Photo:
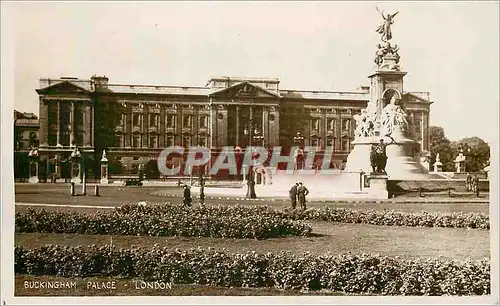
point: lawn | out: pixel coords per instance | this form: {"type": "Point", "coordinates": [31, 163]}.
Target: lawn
{"type": "Point", "coordinates": [117, 196]}
{"type": "Point", "coordinates": [405, 242]}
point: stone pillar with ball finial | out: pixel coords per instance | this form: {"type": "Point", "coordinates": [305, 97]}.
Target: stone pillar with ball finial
{"type": "Point", "coordinates": [460, 162]}
{"type": "Point", "coordinates": [34, 166]}
{"type": "Point", "coordinates": [438, 165]}
{"type": "Point", "coordinates": [76, 166]}
{"type": "Point", "coordinates": [104, 168]}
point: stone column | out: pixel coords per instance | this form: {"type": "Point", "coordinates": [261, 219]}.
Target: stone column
{"type": "Point", "coordinates": [237, 125]}
{"type": "Point", "coordinates": [145, 126]}
{"type": "Point", "coordinates": [87, 140]}
{"type": "Point", "coordinates": [128, 128]}
{"type": "Point", "coordinates": [425, 130]}
{"type": "Point", "coordinates": [338, 129]}
{"type": "Point", "coordinates": [44, 123]}
{"type": "Point", "coordinates": [322, 129]}
{"type": "Point", "coordinates": [265, 126]}
{"type": "Point", "coordinates": [72, 124]}
{"type": "Point", "coordinates": [58, 124]}
{"type": "Point", "coordinates": [274, 127]}
{"type": "Point", "coordinates": [162, 123]}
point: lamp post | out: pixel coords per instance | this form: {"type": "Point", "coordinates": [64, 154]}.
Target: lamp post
{"type": "Point", "coordinates": [298, 139]}
{"type": "Point", "coordinates": [249, 130]}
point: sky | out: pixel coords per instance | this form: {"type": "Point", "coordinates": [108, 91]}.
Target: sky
{"type": "Point", "coordinates": [449, 49]}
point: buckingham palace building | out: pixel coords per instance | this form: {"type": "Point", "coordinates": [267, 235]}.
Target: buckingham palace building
{"type": "Point", "coordinates": [133, 123]}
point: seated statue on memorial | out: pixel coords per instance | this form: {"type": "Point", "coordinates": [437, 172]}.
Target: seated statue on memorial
{"type": "Point", "coordinates": [393, 117]}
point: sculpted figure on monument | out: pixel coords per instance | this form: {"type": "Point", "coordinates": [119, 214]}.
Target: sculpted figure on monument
{"type": "Point", "coordinates": [385, 27]}
{"type": "Point", "coordinates": [365, 123]}
{"type": "Point", "coordinates": [379, 55]}
{"type": "Point", "coordinates": [393, 116]}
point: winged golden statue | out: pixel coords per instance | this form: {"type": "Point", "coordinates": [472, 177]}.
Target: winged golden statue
{"type": "Point", "coordinates": [385, 27]}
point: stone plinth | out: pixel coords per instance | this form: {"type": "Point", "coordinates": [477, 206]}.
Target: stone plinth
{"type": "Point", "coordinates": [76, 169]}
{"type": "Point", "coordinates": [33, 172]}
{"type": "Point", "coordinates": [376, 186]}
{"type": "Point", "coordinates": [359, 158]}
{"type": "Point", "coordinates": [104, 173]}
{"type": "Point", "coordinates": [401, 164]}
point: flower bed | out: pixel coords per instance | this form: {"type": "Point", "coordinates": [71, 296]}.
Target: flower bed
{"type": "Point", "coordinates": [163, 220]}
{"type": "Point", "coordinates": [227, 221]}
{"type": "Point", "coordinates": [392, 218]}
{"type": "Point", "coordinates": [345, 273]}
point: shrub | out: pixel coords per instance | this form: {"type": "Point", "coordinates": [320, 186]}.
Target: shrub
{"type": "Point", "coordinates": [164, 220]}
{"type": "Point", "coordinates": [373, 274]}
{"type": "Point", "coordinates": [393, 218]}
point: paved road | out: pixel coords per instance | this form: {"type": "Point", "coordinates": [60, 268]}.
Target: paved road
{"type": "Point", "coordinates": [57, 195]}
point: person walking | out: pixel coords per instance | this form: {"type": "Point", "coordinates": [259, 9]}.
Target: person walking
{"type": "Point", "coordinates": [468, 182]}
{"type": "Point", "coordinates": [293, 195]}
{"type": "Point", "coordinates": [302, 192]}
{"type": "Point", "coordinates": [186, 197]}
{"type": "Point", "coordinates": [475, 185]}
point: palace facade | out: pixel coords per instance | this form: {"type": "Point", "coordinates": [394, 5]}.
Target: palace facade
{"type": "Point", "coordinates": [135, 122]}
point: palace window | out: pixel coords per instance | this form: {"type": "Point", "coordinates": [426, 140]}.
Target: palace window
{"type": "Point", "coordinates": [346, 123]}
{"type": "Point", "coordinates": [345, 145]}
{"type": "Point", "coordinates": [52, 113]}
{"type": "Point", "coordinates": [136, 119]}
{"type": "Point", "coordinates": [52, 137]}
{"type": "Point", "coordinates": [153, 141]}
{"type": "Point", "coordinates": [314, 142]}
{"type": "Point", "coordinates": [315, 124]}
{"type": "Point", "coordinates": [187, 121]}
{"type": "Point", "coordinates": [64, 139]}
{"type": "Point", "coordinates": [186, 141]}
{"type": "Point", "coordinates": [418, 126]}
{"type": "Point", "coordinates": [330, 124]}
{"type": "Point", "coordinates": [170, 120]}
{"type": "Point", "coordinates": [169, 140]}
{"type": "Point", "coordinates": [153, 120]}
{"type": "Point", "coordinates": [136, 141]}
{"type": "Point", "coordinates": [202, 141]}
{"type": "Point", "coordinates": [330, 142]}
{"type": "Point", "coordinates": [78, 115]}
{"type": "Point", "coordinates": [119, 141]}
{"type": "Point", "coordinates": [64, 110]}
{"type": "Point", "coordinates": [79, 138]}
{"type": "Point", "coordinates": [203, 122]}
{"type": "Point", "coordinates": [33, 141]}
{"type": "Point", "coordinates": [121, 121]}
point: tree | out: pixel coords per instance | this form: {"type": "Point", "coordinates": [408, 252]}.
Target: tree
{"type": "Point", "coordinates": [151, 169]}
{"type": "Point", "coordinates": [33, 141]}
{"type": "Point", "coordinates": [438, 143]}
{"type": "Point", "coordinates": [476, 151]}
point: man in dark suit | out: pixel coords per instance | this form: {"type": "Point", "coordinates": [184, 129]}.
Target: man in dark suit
{"type": "Point", "coordinates": [293, 195]}
{"type": "Point", "coordinates": [302, 192]}
{"type": "Point", "coordinates": [186, 197]}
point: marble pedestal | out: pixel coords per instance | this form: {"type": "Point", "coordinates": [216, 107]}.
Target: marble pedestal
{"type": "Point", "coordinates": [401, 164]}
{"type": "Point", "coordinates": [375, 186]}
